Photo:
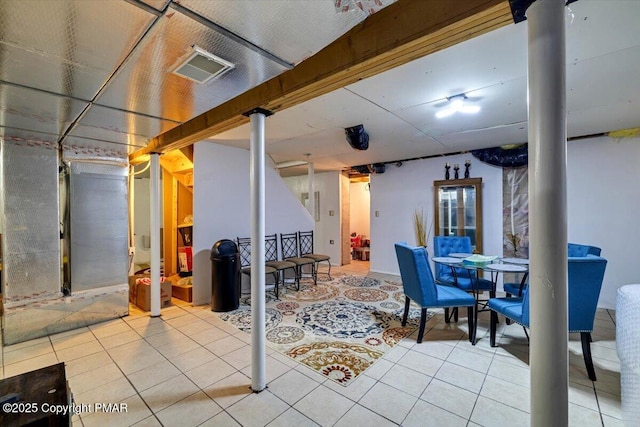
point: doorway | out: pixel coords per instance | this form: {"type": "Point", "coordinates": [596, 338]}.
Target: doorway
{"type": "Point", "coordinates": [360, 218]}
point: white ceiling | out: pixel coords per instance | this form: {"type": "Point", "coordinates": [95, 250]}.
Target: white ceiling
{"type": "Point", "coordinates": [398, 107]}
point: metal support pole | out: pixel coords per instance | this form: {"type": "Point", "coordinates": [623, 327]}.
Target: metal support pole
{"type": "Point", "coordinates": [155, 234]}
{"type": "Point", "coordinates": [312, 192]}
{"type": "Point", "coordinates": [258, 358]}
{"type": "Point", "coordinates": [548, 214]}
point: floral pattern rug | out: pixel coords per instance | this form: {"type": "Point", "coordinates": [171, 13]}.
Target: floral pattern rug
{"type": "Point", "coordinates": [338, 328]}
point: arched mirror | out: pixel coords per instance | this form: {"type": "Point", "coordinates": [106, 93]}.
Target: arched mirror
{"type": "Point", "coordinates": [458, 209]}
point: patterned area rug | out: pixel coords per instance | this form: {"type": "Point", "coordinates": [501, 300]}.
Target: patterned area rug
{"type": "Point", "coordinates": [338, 328]}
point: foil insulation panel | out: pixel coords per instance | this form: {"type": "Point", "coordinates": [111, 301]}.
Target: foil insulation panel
{"type": "Point", "coordinates": [75, 148]}
{"type": "Point", "coordinates": [67, 47]}
{"type": "Point", "coordinates": [123, 127]}
{"type": "Point", "coordinates": [146, 83]}
{"type": "Point", "coordinates": [156, 4]}
{"type": "Point", "coordinates": [61, 314]}
{"type": "Point", "coordinates": [99, 227]}
{"type": "Point", "coordinates": [38, 111]}
{"type": "Point", "coordinates": [272, 24]}
{"type": "Point", "coordinates": [23, 136]}
{"type": "Point", "coordinates": [31, 238]}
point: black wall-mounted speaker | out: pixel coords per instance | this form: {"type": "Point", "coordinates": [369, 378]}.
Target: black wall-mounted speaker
{"type": "Point", "coordinates": [377, 168]}
{"type": "Point", "coordinates": [357, 137]}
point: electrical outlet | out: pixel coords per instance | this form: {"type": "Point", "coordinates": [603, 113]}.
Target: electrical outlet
{"type": "Point", "coordinates": [331, 242]}
{"type": "Point", "coordinates": [132, 250]}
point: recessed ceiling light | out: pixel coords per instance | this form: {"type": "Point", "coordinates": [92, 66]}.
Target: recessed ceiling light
{"type": "Point", "coordinates": [202, 66]}
{"type": "Point", "coordinates": [457, 103]}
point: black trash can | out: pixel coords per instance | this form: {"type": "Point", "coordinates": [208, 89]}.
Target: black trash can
{"type": "Point", "coordinates": [225, 276]}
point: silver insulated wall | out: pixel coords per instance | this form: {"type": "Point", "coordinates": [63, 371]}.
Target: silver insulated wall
{"type": "Point", "coordinates": [99, 254]}
{"type": "Point", "coordinates": [31, 236]}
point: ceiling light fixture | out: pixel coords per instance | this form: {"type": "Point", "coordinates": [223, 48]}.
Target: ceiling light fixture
{"type": "Point", "coordinates": [457, 103]}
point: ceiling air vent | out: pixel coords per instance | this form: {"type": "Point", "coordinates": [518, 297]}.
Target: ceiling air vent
{"type": "Point", "coordinates": [202, 66]}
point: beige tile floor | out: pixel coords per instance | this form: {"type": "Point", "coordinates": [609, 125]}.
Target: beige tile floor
{"type": "Point", "coordinates": [189, 368]}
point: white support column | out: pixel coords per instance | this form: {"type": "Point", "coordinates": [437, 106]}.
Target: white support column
{"type": "Point", "coordinates": [258, 357]}
{"type": "Point", "coordinates": [312, 192]}
{"type": "Point", "coordinates": [155, 234]}
{"type": "Point", "coordinates": [548, 214]}
{"type": "Point", "coordinates": [132, 222]}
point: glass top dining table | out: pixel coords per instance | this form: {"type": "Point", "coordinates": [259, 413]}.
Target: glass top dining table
{"type": "Point", "coordinates": [495, 266]}
{"type": "Point", "coordinates": [499, 265]}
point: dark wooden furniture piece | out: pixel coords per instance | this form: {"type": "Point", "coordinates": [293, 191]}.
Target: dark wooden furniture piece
{"type": "Point", "coordinates": [31, 396]}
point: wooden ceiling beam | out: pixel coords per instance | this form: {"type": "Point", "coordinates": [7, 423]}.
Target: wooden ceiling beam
{"type": "Point", "coordinates": [399, 33]}
{"type": "Point", "coordinates": [188, 152]}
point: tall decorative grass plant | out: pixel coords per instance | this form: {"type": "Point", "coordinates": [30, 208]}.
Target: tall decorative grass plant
{"type": "Point", "coordinates": [421, 228]}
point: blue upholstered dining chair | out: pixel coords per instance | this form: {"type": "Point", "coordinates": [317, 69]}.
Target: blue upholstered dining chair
{"type": "Point", "coordinates": [464, 279]}
{"type": "Point", "coordinates": [445, 245]}
{"type": "Point", "coordinates": [585, 280]}
{"type": "Point", "coordinates": [573, 250]}
{"type": "Point", "coordinates": [576, 250]}
{"type": "Point", "coordinates": [419, 286]}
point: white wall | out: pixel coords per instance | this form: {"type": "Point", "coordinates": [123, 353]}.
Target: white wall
{"type": "Point", "coordinates": [328, 228]}
{"type": "Point", "coordinates": [221, 202]}
{"type": "Point", "coordinates": [399, 191]}
{"type": "Point", "coordinates": [360, 207]}
{"type": "Point", "coordinates": [603, 203]}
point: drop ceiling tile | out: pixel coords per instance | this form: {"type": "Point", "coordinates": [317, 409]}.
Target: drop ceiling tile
{"type": "Point", "coordinates": [604, 80]}
{"type": "Point", "coordinates": [483, 61]}
{"type": "Point", "coordinates": [603, 119]}
{"type": "Point", "coordinates": [338, 109]}
{"type": "Point", "coordinates": [501, 104]}
{"type": "Point", "coordinates": [486, 138]}
{"type": "Point", "coordinates": [600, 27]}
{"type": "Point", "coordinates": [341, 108]}
{"type": "Point", "coordinates": [326, 142]}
